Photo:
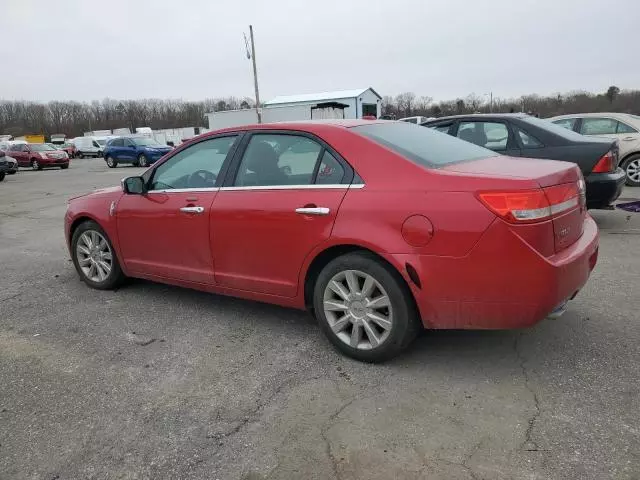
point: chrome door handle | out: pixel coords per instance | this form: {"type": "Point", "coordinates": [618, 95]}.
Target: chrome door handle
{"type": "Point", "coordinates": [192, 209]}
{"type": "Point", "coordinates": [629, 139]}
{"type": "Point", "coordinates": [313, 211]}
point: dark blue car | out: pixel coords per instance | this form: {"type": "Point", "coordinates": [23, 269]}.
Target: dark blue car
{"type": "Point", "coordinates": [139, 151]}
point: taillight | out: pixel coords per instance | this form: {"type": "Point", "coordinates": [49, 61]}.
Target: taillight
{"type": "Point", "coordinates": [605, 164]}
{"type": "Point", "coordinates": [526, 206]}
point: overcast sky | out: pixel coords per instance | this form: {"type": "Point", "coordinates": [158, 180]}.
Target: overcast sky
{"type": "Point", "coordinates": [193, 49]}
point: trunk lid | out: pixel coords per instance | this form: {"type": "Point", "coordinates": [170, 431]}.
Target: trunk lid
{"type": "Point", "coordinates": [551, 198]}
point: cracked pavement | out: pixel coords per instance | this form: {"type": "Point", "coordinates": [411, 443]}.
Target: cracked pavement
{"type": "Point", "coordinates": [232, 389]}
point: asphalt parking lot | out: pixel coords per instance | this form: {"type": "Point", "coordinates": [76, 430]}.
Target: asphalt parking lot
{"type": "Point", "coordinates": [159, 382]}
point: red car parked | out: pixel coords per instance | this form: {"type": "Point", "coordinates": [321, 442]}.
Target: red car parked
{"type": "Point", "coordinates": [380, 228]}
{"type": "Point", "coordinates": [38, 155]}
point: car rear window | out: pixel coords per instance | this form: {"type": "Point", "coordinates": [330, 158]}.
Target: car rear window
{"type": "Point", "coordinates": [423, 145]}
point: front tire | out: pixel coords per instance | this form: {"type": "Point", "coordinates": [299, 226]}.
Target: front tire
{"type": "Point", "coordinates": [142, 160]}
{"type": "Point", "coordinates": [64, 167]}
{"type": "Point", "coordinates": [35, 165]}
{"type": "Point", "coordinates": [364, 307]}
{"type": "Point", "coordinates": [2, 176]}
{"type": "Point", "coordinates": [631, 167]}
{"type": "Point", "coordinates": [94, 257]}
{"type": "Point", "coordinates": [111, 163]}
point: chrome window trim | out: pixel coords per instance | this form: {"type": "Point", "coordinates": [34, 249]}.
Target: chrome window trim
{"type": "Point", "coordinates": [267, 187]}
{"type": "Point", "coordinates": [184, 190]}
{"type": "Point", "coordinates": [293, 187]}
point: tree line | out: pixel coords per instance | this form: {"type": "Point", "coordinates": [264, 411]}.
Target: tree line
{"type": "Point", "coordinates": [74, 118]}
{"type": "Point", "coordinates": [409, 104]}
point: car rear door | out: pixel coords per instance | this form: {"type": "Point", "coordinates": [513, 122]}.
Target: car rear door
{"type": "Point", "coordinates": [166, 232]}
{"type": "Point", "coordinates": [279, 201]}
{"type": "Point", "coordinates": [20, 153]}
{"type": "Point", "coordinates": [495, 135]}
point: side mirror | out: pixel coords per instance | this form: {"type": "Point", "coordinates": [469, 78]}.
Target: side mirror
{"type": "Point", "coordinates": [133, 185]}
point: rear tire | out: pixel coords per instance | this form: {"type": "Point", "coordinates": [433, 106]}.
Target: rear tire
{"type": "Point", "coordinates": [35, 165]}
{"type": "Point", "coordinates": [631, 167]}
{"type": "Point", "coordinates": [372, 318]}
{"type": "Point", "coordinates": [142, 161]}
{"type": "Point", "coordinates": [97, 263]}
{"type": "Point", "coordinates": [80, 155]}
{"type": "Point", "coordinates": [111, 163]}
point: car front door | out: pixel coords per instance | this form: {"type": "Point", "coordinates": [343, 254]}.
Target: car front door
{"type": "Point", "coordinates": [279, 202]}
{"type": "Point", "coordinates": [165, 232]}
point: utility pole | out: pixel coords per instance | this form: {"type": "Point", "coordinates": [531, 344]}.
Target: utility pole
{"type": "Point", "coordinates": [491, 103]}
{"type": "Point", "coordinates": [252, 55]}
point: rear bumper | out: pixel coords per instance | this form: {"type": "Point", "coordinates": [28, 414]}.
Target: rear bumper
{"type": "Point", "coordinates": [502, 283]}
{"type": "Point", "coordinates": [604, 188]}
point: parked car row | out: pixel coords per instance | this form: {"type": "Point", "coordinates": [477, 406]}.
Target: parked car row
{"type": "Point", "coordinates": [521, 135]}
{"type": "Point", "coordinates": [38, 155]}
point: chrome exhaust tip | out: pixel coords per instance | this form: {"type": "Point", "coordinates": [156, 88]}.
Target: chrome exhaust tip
{"type": "Point", "coordinates": [558, 311]}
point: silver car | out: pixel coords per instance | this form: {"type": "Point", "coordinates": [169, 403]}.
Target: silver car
{"type": "Point", "coordinates": [623, 126]}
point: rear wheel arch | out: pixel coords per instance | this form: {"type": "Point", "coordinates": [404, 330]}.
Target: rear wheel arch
{"type": "Point", "coordinates": [628, 155]}
{"type": "Point", "coordinates": [323, 258]}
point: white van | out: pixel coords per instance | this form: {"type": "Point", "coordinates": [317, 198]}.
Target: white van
{"type": "Point", "coordinates": [89, 146]}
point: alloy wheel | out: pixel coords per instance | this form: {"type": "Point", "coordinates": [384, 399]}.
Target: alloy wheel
{"type": "Point", "coordinates": [358, 309]}
{"type": "Point", "coordinates": [94, 256]}
{"type": "Point", "coordinates": [633, 170]}
{"type": "Point", "coordinates": [35, 165]}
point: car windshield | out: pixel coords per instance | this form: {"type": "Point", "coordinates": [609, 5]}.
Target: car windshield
{"type": "Point", "coordinates": [41, 147]}
{"type": "Point", "coordinates": [422, 145]}
{"type": "Point", "coordinates": [146, 142]}
{"type": "Point", "coordinates": [553, 128]}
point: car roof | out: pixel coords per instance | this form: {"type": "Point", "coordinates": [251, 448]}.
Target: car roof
{"type": "Point", "coordinates": [300, 125]}
{"type": "Point", "coordinates": [618, 115]}
{"type": "Point", "coordinates": [483, 116]}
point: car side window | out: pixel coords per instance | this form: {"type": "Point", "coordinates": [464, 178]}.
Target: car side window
{"type": "Point", "coordinates": [624, 128]}
{"type": "Point", "coordinates": [197, 166]}
{"type": "Point", "coordinates": [330, 171]}
{"type": "Point", "coordinates": [568, 123]}
{"type": "Point", "coordinates": [598, 126]}
{"type": "Point", "coordinates": [127, 143]}
{"type": "Point", "coordinates": [118, 142]}
{"type": "Point", "coordinates": [492, 135]}
{"type": "Point", "coordinates": [527, 140]}
{"type": "Point", "coordinates": [278, 159]}
{"type": "Point", "coordinates": [443, 128]}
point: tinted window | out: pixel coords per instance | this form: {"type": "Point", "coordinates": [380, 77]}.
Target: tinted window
{"type": "Point", "coordinates": [553, 128]}
{"type": "Point", "coordinates": [330, 171]}
{"type": "Point", "coordinates": [422, 145]}
{"type": "Point", "coordinates": [598, 126]}
{"type": "Point", "coordinates": [527, 140]}
{"type": "Point", "coordinates": [118, 142]}
{"type": "Point", "coordinates": [196, 166]}
{"type": "Point", "coordinates": [444, 128]}
{"type": "Point", "coordinates": [624, 128]}
{"type": "Point", "coordinates": [42, 147]}
{"type": "Point", "coordinates": [16, 147]}
{"type": "Point", "coordinates": [127, 143]}
{"type": "Point", "coordinates": [273, 159]}
{"type": "Point", "coordinates": [484, 134]}
{"type": "Point", "coordinates": [146, 142]}
{"type": "Point", "coordinates": [567, 123]}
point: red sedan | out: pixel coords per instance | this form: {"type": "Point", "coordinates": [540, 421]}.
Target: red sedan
{"type": "Point", "coordinates": [380, 228]}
